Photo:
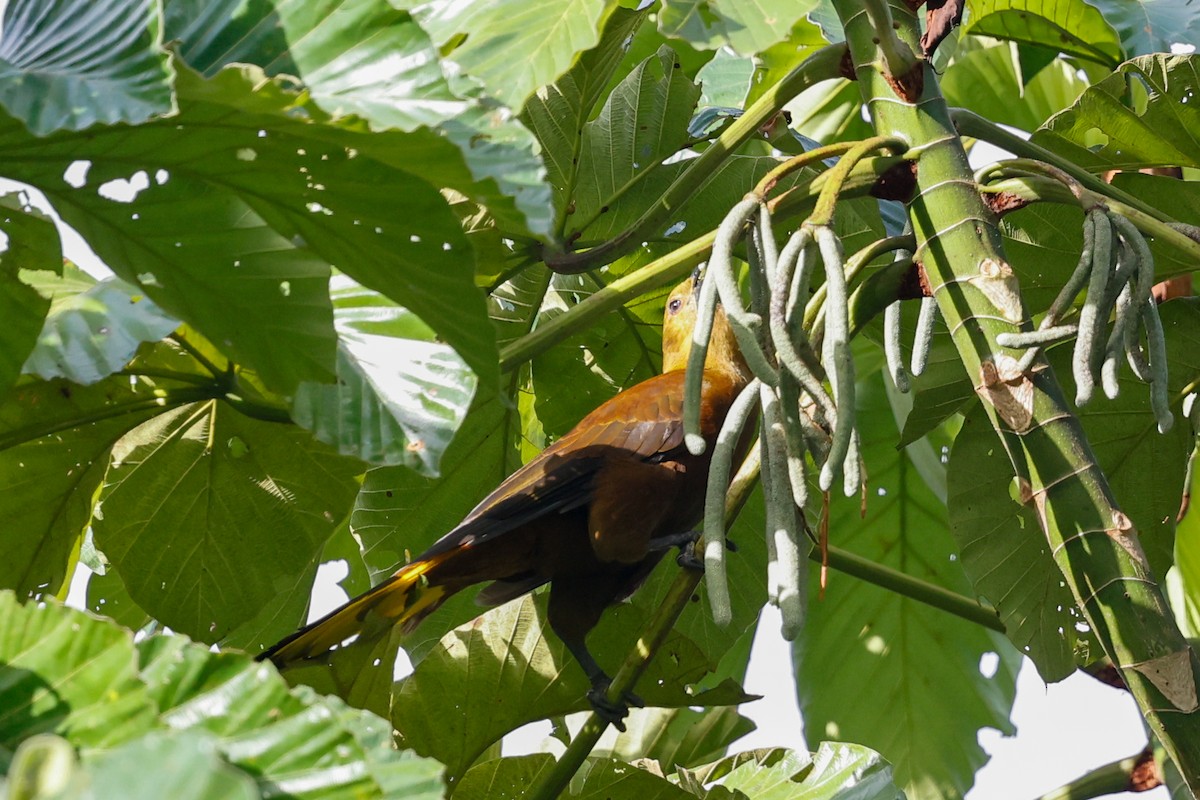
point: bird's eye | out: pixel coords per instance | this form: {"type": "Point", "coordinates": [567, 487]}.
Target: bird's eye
{"type": "Point", "coordinates": [674, 305]}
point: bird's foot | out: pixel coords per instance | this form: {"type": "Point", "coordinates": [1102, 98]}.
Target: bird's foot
{"type": "Point", "coordinates": [610, 712]}
{"type": "Point", "coordinates": [688, 558]}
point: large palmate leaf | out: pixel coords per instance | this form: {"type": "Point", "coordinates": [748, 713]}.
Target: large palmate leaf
{"type": "Point", "coordinates": [31, 253]}
{"type": "Point", "coordinates": [209, 515]}
{"type": "Point", "coordinates": [155, 716]}
{"type": "Point", "coordinates": [369, 59]}
{"type": "Point", "coordinates": [93, 328]}
{"type": "Point", "coordinates": [400, 394]}
{"type": "Point", "coordinates": [1103, 131]}
{"type": "Point", "coordinates": [69, 64]}
{"type": "Point", "coordinates": [746, 27]}
{"type": "Point", "coordinates": [888, 671]}
{"type": "Point", "coordinates": [1074, 27]}
{"type": "Point", "coordinates": [548, 37]}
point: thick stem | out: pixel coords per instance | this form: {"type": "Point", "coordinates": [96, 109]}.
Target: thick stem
{"type": "Point", "coordinates": [1093, 543]}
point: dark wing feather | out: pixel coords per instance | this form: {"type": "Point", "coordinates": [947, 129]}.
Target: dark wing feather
{"type": "Point", "coordinates": [644, 422]}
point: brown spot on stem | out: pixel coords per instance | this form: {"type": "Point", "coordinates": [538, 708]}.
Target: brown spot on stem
{"type": "Point", "coordinates": [1003, 202]}
{"type": "Point", "coordinates": [1145, 774]}
{"type": "Point", "coordinates": [911, 287]}
{"type": "Point", "coordinates": [908, 87]}
{"type": "Point", "coordinates": [897, 182]}
{"type": "Point", "coordinates": [1002, 384]}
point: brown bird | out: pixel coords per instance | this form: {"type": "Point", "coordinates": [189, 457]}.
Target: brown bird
{"type": "Point", "coordinates": [591, 515]}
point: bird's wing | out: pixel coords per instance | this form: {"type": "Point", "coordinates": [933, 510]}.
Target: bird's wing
{"type": "Point", "coordinates": [645, 422]}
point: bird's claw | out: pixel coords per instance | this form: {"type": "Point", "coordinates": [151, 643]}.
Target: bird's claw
{"type": "Point", "coordinates": [610, 712]}
{"type": "Point", "coordinates": [688, 559]}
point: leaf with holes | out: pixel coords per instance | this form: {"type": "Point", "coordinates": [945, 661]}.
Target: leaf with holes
{"type": "Point", "coordinates": [372, 60]}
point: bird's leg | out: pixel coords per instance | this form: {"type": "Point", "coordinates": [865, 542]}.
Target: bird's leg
{"type": "Point", "coordinates": [575, 608]}
{"type": "Point", "coordinates": [613, 713]}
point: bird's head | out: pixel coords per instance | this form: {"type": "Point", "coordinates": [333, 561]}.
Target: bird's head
{"type": "Point", "coordinates": [679, 318]}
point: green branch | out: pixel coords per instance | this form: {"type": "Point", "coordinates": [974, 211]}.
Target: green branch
{"type": "Point", "coordinates": [968, 123]}
{"type": "Point", "coordinates": [672, 267]}
{"type": "Point", "coordinates": [903, 584]}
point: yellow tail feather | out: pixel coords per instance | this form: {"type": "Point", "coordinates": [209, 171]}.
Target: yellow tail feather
{"type": "Point", "coordinates": [406, 596]}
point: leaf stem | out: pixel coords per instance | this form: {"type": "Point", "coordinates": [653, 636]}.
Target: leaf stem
{"type": "Point", "coordinates": [165, 400]}
{"type": "Point", "coordinates": [1034, 189]}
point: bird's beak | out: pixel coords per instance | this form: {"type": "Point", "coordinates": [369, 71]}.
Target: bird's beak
{"type": "Point", "coordinates": [697, 279]}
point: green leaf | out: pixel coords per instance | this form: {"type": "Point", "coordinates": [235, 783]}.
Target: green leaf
{"type": "Point", "coordinates": [503, 778]}
{"type": "Point", "coordinates": [678, 737]}
{"type": "Point", "coordinates": [505, 669]}
{"type": "Point", "coordinates": [547, 36]}
{"type": "Point", "coordinates": [93, 328]}
{"type": "Point", "coordinates": [835, 772]}
{"type": "Point", "coordinates": [31, 253]}
{"type": "Point", "coordinates": [1073, 27]}
{"type": "Point", "coordinates": [558, 114]}
{"type": "Point", "coordinates": [187, 766]}
{"type": "Point", "coordinates": [1150, 26]}
{"type": "Point", "coordinates": [210, 515]}
{"type": "Point", "coordinates": [1101, 131]}
{"type": "Point", "coordinates": [108, 597]}
{"type": "Point", "coordinates": [54, 444]}
{"type": "Point", "coordinates": [887, 671]}
{"type": "Point", "coordinates": [987, 80]}
{"type": "Point", "coordinates": [166, 702]}
{"type": "Point", "coordinates": [746, 27]}
{"type": "Point", "coordinates": [372, 60]}
{"type": "Point", "coordinates": [292, 741]}
{"type": "Point", "coordinates": [1005, 552]}
{"type": "Point", "coordinates": [1145, 469]}
{"type": "Point", "coordinates": [725, 80]}
{"type": "Point", "coordinates": [70, 64]}
{"type": "Point", "coordinates": [400, 394]}
{"type": "Point", "coordinates": [643, 122]}
{"type": "Point", "coordinates": [64, 672]}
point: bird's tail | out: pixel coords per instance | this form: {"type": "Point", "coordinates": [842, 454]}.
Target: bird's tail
{"type": "Point", "coordinates": [406, 597]}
